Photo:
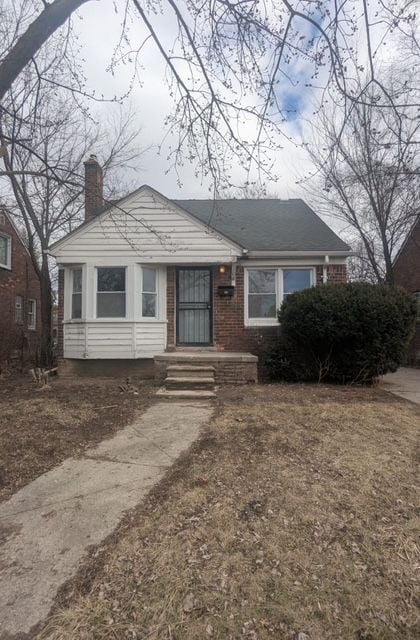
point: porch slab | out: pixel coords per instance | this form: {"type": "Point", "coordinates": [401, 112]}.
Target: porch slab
{"type": "Point", "coordinates": [230, 367]}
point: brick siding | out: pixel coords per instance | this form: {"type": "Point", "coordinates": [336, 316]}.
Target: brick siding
{"type": "Point", "coordinates": [237, 370]}
{"type": "Point", "coordinates": [229, 330]}
{"type": "Point", "coordinates": [407, 275]}
{"type": "Point", "coordinates": [20, 280]}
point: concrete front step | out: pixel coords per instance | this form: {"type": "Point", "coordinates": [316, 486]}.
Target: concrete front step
{"type": "Point", "coordinates": [188, 370]}
{"type": "Point", "coordinates": [185, 394]}
{"type": "Point", "coordinates": [189, 383]}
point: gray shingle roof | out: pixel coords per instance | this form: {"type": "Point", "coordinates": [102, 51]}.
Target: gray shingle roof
{"type": "Point", "coordinates": [267, 225]}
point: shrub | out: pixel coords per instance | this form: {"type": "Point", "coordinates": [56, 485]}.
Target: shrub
{"type": "Point", "coordinates": [345, 333]}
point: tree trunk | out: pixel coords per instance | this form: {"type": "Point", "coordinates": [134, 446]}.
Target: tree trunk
{"type": "Point", "coordinates": [27, 46]}
{"type": "Point", "coordinates": [46, 314]}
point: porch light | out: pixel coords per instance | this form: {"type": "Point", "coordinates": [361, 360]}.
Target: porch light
{"type": "Point", "coordinates": [222, 269]}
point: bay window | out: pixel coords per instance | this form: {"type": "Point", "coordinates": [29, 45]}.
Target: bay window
{"type": "Point", "coordinates": [76, 295]}
{"type": "Point", "coordinates": [149, 293]}
{"type": "Point", "coordinates": [111, 292]}
{"type": "Point", "coordinates": [265, 289]}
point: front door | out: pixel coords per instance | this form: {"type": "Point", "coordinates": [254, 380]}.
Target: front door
{"type": "Point", "coordinates": [194, 306]}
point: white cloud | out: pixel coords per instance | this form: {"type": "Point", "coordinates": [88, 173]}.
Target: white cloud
{"type": "Point", "coordinates": [97, 28]}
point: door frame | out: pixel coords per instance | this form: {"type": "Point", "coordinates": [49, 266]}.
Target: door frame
{"type": "Point", "coordinates": [194, 268]}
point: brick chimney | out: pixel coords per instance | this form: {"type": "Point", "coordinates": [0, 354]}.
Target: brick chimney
{"type": "Point", "coordinates": [94, 184]}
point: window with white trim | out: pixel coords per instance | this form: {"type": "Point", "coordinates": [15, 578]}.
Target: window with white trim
{"type": "Point", "coordinates": [149, 298]}
{"type": "Point", "coordinates": [76, 293]}
{"type": "Point", "coordinates": [31, 314]}
{"type": "Point", "coordinates": [266, 288]}
{"type": "Point", "coordinates": [296, 280]}
{"type": "Point", "coordinates": [19, 309]}
{"type": "Point", "coordinates": [262, 293]}
{"type": "Point", "coordinates": [5, 251]}
{"type": "Point", "coordinates": [110, 296]}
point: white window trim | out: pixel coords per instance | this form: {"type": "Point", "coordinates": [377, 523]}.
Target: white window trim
{"type": "Point", "coordinates": [8, 264]}
{"type": "Point", "coordinates": [32, 326]}
{"type": "Point", "coordinates": [155, 293]}
{"type": "Point", "coordinates": [272, 322]}
{"type": "Point", "coordinates": [113, 266]}
{"type": "Point", "coordinates": [72, 270]}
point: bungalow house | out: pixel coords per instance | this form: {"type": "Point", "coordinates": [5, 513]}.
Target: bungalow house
{"type": "Point", "coordinates": [20, 322]}
{"type": "Point", "coordinates": [407, 275]}
{"type": "Point", "coordinates": [149, 278]}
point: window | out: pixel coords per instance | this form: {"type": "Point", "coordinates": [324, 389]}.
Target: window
{"type": "Point", "coordinates": [76, 293]}
{"type": "Point", "coordinates": [266, 289]}
{"type": "Point", "coordinates": [19, 309]}
{"type": "Point", "coordinates": [296, 280]}
{"type": "Point", "coordinates": [262, 294]}
{"type": "Point", "coordinates": [31, 314]}
{"type": "Point", "coordinates": [5, 251]}
{"type": "Point", "coordinates": [149, 293]}
{"type": "Point", "coordinates": [110, 301]}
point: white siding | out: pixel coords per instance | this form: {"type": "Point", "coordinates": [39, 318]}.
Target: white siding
{"type": "Point", "coordinates": [145, 228]}
{"type": "Point", "coordinates": [150, 339]}
{"type": "Point", "coordinates": [75, 340]}
{"type": "Point", "coordinates": [90, 340]}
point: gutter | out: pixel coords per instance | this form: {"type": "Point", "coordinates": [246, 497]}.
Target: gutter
{"type": "Point", "coordinates": [281, 254]}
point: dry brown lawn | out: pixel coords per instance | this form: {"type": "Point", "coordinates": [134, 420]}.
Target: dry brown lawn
{"type": "Point", "coordinates": [39, 429]}
{"type": "Point", "coordinates": [294, 514]}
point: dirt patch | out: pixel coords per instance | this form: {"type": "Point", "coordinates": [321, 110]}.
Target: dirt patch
{"type": "Point", "coordinates": [295, 514]}
{"type": "Point", "coordinates": [39, 429]}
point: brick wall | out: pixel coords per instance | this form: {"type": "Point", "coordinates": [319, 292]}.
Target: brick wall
{"type": "Point", "coordinates": [20, 280]}
{"type": "Point", "coordinates": [336, 274]}
{"type": "Point", "coordinates": [229, 331]}
{"type": "Point", "coordinates": [407, 265]}
{"type": "Point", "coordinates": [241, 369]}
{"type": "Point", "coordinates": [407, 275]}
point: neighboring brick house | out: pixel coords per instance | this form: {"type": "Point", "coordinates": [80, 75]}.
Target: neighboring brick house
{"type": "Point", "coordinates": [407, 275]}
{"type": "Point", "coordinates": [149, 275]}
{"type": "Point", "coordinates": [20, 321]}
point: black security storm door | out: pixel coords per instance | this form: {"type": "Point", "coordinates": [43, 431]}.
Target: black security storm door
{"type": "Point", "coordinates": [194, 306]}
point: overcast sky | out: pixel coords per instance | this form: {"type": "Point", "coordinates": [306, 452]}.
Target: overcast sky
{"type": "Point", "coordinates": [97, 27]}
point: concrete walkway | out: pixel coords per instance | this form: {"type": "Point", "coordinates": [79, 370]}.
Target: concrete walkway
{"type": "Point", "coordinates": [47, 527]}
{"type": "Point", "coordinates": [404, 383]}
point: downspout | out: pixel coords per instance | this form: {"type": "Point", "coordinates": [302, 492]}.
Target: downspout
{"type": "Point", "coordinates": [233, 274]}
{"type": "Point", "coordinates": [325, 270]}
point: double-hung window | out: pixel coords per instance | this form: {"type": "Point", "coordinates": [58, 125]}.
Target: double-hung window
{"type": "Point", "coordinates": [266, 289]}
{"type": "Point", "coordinates": [149, 298]}
{"type": "Point", "coordinates": [262, 295]}
{"type": "Point", "coordinates": [110, 296]}
{"type": "Point", "coordinates": [5, 251]}
{"type": "Point", "coordinates": [296, 280]}
{"type": "Point", "coordinates": [31, 314]}
{"type": "Point", "coordinates": [76, 295]}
